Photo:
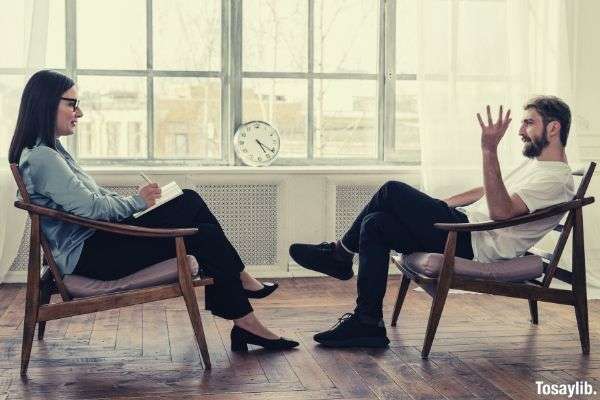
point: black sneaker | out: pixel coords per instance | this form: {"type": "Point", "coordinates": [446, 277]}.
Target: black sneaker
{"type": "Point", "coordinates": [322, 258]}
{"type": "Point", "coordinates": [350, 332]}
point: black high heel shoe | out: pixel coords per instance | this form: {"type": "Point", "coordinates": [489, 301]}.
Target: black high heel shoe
{"type": "Point", "coordinates": [241, 338]}
{"type": "Point", "coordinates": [267, 289]}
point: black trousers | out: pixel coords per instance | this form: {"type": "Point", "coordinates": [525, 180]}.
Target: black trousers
{"type": "Point", "coordinates": [109, 256]}
{"type": "Point", "coordinates": [401, 218]}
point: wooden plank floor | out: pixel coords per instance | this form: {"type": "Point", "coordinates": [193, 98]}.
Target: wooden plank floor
{"type": "Point", "coordinates": [485, 348]}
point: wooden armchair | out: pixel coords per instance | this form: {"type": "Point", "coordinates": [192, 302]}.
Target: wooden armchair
{"type": "Point", "coordinates": [42, 284]}
{"type": "Point", "coordinates": [534, 290]}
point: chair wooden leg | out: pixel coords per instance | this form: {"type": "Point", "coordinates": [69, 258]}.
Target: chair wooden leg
{"type": "Point", "coordinates": [400, 299]}
{"type": "Point", "coordinates": [441, 293]}
{"type": "Point", "coordinates": [28, 332]}
{"type": "Point", "coordinates": [45, 295]}
{"type": "Point", "coordinates": [194, 313]}
{"type": "Point", "coordinates": [434, 318]}
{"type": "Point", "coordinates": [187, 290]}
{"type": "Point", "coordinates": [533, 310]}
{"type": "Point", "coordinates": [41, 329]}
{"type": "Point", "coordinates": [579, 283]}
{"type": "Point", "coordinates": [32, 302]}
{"type": "Point", "coordinates": [581, 313]}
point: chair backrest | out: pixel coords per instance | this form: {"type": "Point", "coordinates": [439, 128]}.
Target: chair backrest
{"type": "Point", "coordinates": [20, 184]}
{"type": "Point", "coordinates": [585, 181]}
{"type": "Point", "coordinates": [54, 270]}
{"type": "Point", "coordinates": [565, 229]}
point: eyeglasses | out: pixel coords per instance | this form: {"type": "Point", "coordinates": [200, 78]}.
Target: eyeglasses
{"type": "Point", "coordinates": [73, 102]}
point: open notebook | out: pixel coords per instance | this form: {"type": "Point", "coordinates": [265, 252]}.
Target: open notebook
{"type": "Point", "coordinates": [168, 192]}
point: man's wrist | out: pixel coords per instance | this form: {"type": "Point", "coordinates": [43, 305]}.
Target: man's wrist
{"type": "Point", "coordinates": [489, 152]}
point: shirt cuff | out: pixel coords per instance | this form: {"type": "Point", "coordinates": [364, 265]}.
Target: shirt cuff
{"type": "Point", "coordinates": [138, 202]}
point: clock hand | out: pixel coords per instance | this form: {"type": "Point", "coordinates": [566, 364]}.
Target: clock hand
{"type": "Point", "coordinates": [272, 150]}
{"type": "Point", "coordinates": [261, 146]}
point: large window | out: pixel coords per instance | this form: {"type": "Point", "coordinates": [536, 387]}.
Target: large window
{"type": "Point", "coordinates": [310, 69]}
{"type": "Point", "coordinates": [151, 85]}
{"type": "Point", "coordinates": [168, 81]}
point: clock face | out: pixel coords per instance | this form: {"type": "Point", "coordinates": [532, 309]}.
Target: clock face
{"type": "Point", "coordinates": [256, 143]}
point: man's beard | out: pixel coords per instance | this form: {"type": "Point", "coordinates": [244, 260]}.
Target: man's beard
{"type": "Point", "coordinates": [534, 148]}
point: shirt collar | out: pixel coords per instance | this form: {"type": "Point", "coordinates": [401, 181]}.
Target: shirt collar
{"type": "Point", "coordinates": [57, 144]}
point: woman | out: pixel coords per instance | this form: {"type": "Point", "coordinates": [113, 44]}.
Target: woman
{"type": "Point", "coordinates": [49, 109]}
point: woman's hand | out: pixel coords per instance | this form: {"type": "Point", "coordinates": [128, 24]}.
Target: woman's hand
{"type": "Point", "coordinates": [150, 193]}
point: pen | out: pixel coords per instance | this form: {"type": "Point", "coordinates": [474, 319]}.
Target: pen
{"type": "Point", "coordinates": [145, 177]}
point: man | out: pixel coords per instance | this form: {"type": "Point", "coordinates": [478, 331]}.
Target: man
{"type": "Point", "coordinates": [401, 218]}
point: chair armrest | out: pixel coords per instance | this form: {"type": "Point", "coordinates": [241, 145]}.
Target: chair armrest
{"type": "Point", "coordinates": [551, 211]}
{"type": "Point", "coordinates": [122, 229]}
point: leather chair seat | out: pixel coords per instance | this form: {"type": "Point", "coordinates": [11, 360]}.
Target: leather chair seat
{"type": "Point", "coordinates": [514, 270]}
{"type": "Point", "coordinates": [163, 272]}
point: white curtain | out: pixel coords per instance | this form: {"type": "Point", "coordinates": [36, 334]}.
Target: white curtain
{"type": "Point", "coordinates": [23, 28]}
{"type": "Point", "coordinates": [474, 53]}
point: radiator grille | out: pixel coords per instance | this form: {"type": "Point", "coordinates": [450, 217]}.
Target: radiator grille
{"type": "Point", "coordinates": [20, 262]}
{"type": "Point", "coordinates": [349, 201]}
{"type": "Point", "coordinates": [249, 217]}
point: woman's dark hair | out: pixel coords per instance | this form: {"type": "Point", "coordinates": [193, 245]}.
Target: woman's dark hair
{"type": "Point", "coordinates": [37, 112]}
{"type": "Point", "coordinates": [551, 108]}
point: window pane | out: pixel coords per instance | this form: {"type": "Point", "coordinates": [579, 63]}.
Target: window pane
{"type": "Point", "coordinates": [404, 144]}
{"type": "Point", "coordinates": [281, 103]}
{"type": "Point", "coordinates": [111, 34]}
{"type": "Point", "coordinates": [346, 36]}
{"type": "Point", "coordinates": [406, 36]}
{"type": "Point", "coordinates": [15, 23]}
{"type": "Point", "coordinates": [346, 119]}
{"type": "Point", "coordinates": [55, 47]}
{"type": "Point", "coordinates": [275, 35]}
{"type": "Point", "coordinates": [187, 35]}
{"type": "Point", "coordinates": [436, 37]}
{"type": "Point", "coordinates": [482, 44]}
{"type": "Point", "coordinates": [187, 117]}
{"type": "Point", "coordinates": [114, 121]}
{"type": "Point", "coordinates": [12, 25]}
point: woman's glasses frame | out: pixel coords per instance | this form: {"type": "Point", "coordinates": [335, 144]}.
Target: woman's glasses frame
{"type": "Point", "coordinates": [74, 102]}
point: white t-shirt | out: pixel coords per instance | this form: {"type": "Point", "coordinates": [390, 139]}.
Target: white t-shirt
{"type": "Point", "coordinates": [539, 184]}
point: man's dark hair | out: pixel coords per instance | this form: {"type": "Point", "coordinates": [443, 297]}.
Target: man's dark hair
{"type": "Point", "coordinates": [37, 112]}
{"type": "Point", "coordinates": [551, 108]}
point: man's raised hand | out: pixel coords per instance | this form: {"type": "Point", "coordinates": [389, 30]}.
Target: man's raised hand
{"type": "Point", "coordinates": [492, 133]}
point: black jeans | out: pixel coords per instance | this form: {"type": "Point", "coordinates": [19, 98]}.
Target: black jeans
{"type": "Point", "coordinates": [109, 256]}
{"type": "Point", "coordinates": [401, 218]}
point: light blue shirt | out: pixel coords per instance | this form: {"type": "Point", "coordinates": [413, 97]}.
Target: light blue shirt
{"type": "Point", "coordinates": [54, 179]}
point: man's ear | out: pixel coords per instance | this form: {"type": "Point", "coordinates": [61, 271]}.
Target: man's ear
{"type": "Point", "coordinates": [553, 128]}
